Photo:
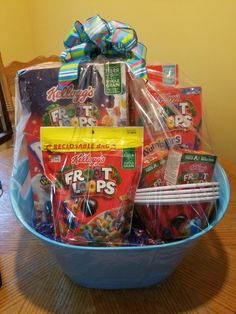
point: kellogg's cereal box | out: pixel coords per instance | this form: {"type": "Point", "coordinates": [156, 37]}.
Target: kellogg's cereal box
{"type": "Point", "coordinates": [184, 167]}
{"type": "Point", "coordinates": [153, 169]}
{"type": "Point", "coordinates": [182, 110]}
{"type": "Point", "coordinates": [174, 117]}
{"type": "Point", "coordinates": [98, 98]}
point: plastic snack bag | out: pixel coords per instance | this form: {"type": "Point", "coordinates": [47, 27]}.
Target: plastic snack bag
{"type": "Point", "coordinates": [94, 173]}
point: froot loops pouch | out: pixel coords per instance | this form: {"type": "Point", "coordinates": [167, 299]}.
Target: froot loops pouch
{"type": "Point", "coordinates": [94, 174]}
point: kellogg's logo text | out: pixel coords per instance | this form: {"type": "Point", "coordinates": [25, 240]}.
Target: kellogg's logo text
{"type": "Point", "coordinates": [69, 92]}
{"type": "Point", "coordinates": [87, 158]}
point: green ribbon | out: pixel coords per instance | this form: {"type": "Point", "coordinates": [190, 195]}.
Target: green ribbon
{"type": "Point", "coordinates": [98, 37]}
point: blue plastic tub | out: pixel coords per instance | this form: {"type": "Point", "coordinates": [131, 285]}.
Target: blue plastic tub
{"type": "Point", "coordinates": [113, 267]}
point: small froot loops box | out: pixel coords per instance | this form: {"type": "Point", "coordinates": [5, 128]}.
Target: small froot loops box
{"type": "Point", "coordinates": [186, 166]}
{"type": "Point", "coordinates": [153, 169]}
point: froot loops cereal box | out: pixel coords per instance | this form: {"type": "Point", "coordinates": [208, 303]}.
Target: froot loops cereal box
{"type": "Point", "coordinates": [182, 115]}
{"type": "Point", "coordinates": [171, 116]}
{"type": "Point", "coordinates": [186, 167]}
{"type": "Point", "coordinates": [97, 98]}
{"type": "Point", "coordinates": [153, 170]}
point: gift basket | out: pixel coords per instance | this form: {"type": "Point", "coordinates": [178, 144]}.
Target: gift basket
{"type": "Point", "coordinates": [112, 170]}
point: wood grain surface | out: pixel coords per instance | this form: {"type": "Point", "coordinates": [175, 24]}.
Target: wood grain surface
{"type": "Point", "coordinates": [205, 282]}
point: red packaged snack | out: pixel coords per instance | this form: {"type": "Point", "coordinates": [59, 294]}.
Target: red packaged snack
{"type": "Point", "coordinates": [186, 166]}
{"type": "Point", "coordinates": [95, 173]}
{"type": "Point", "coordinates": [153, 169]}
{"type": "Point", "coordinates": [166, 74]}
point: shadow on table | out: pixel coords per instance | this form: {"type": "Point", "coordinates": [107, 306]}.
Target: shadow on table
{"type": "Point", "coordinates": [197, 279]}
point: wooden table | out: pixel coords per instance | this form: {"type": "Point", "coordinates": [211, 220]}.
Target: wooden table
{"type": "Point", "coordinates": [205, 282]}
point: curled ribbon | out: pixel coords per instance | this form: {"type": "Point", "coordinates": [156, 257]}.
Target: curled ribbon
{"type": "Point", "coordinates": [96, 36]}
